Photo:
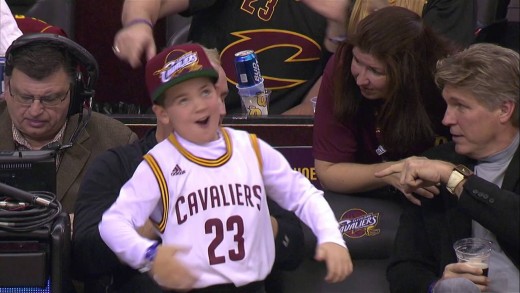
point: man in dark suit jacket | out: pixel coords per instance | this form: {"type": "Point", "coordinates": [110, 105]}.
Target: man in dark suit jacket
{"type": "Point", "coordinates": [477, 176]}
{"type": "Point", "coordinates": [40, 86]}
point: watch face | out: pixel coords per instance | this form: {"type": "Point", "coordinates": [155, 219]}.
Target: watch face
{"type": "Point", "coordinates": [464, 170]}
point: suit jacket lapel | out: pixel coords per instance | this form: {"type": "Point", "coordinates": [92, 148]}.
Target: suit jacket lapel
{"type": "Point", "coordinates": [73, 159]}
{"type": "Point", "coordinates": [511, 177]}
{"type": "Point", "coordinates": [6, 142]}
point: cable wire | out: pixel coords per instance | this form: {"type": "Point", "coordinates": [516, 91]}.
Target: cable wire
{"type": "Point", "coordinates": [18, 216]}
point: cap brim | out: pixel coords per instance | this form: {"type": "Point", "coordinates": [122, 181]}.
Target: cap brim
{"type": "Point", "coordinates": [190, 75]}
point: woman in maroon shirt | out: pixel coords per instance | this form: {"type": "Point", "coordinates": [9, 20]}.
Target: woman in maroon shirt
{"type": "Point", "coordinates": [378, 102]}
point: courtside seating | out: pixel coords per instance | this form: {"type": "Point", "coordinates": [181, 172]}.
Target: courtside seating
{"type": "Point", "coordinates": [369, 224]}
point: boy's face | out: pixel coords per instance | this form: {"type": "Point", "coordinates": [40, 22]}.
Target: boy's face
{"type": "Point", "coordinates": [193, 109]}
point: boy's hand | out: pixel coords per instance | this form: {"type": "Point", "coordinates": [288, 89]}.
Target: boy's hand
{"type": "Point", "coordinates": [169, 272]}
{"type": "Point", "coordinates": [337, 258]}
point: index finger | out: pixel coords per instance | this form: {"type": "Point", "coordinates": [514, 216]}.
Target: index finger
{"type": "Point", "coordinates": [388, 171]}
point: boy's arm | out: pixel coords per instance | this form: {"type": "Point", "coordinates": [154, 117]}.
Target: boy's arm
{"type": "Point", "coordinates": [293, 192]}
{"type": "Point", "coordinates": [118, 227]}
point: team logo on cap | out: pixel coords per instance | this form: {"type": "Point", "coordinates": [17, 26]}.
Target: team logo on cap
{"type": "Point", "coordinates": [187, 62]}
{"type": "Point", "coordinates": [356, 223]}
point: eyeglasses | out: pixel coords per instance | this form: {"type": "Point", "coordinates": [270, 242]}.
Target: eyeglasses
{"type": "Point", "coordinates": [48, 101]}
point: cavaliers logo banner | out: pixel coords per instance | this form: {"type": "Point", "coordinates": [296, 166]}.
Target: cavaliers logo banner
{"type": "Point", "coordinates": [356, 223]}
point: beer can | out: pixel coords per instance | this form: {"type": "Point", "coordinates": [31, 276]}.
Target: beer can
{"type": "Point", "coordinates": [2, 66]}
{"type": "Point", "coordinates": [247, 69]}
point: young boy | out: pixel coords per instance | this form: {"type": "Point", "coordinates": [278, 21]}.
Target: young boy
{"type": "Point", "coordinates": [205, 189]}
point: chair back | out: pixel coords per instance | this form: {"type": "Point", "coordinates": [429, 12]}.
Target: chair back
{"type": "Point", "coordinates": [58, 13]}
{"type": "Point", "coordinates": [177, 29]}
{"type": "Point", "coordinates": [369, 224]}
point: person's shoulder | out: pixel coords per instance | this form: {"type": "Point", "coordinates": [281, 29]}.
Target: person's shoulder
{"type": "Point", "coordinates": [237, 134]}
{"type": "Point", "coordinates": [234, 131]}
{"type": "Point", "coordinates": [445, 152]}
{"type": "Point", "coordinates": [102, 118]}
{"type": "Point", "coordinates": [128, 155]}
{"type": "Point", "coordinates": [106, 132]}
{"type": "Point", "coordinates": [107, 124]}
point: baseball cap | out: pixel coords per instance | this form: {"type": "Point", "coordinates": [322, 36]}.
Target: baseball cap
{"type": "Point", "coordinates": [174, 65]}
{"type": "Point", "coordinates": [30, 25]}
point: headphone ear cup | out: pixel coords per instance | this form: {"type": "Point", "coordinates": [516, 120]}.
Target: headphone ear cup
{"type": "Point", "coordinates": [77, 94]}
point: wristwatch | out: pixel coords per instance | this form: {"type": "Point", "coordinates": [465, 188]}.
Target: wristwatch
{"type": "Point", "coordinates": [459, 173]}
{"type": "Point", "coordinates": [149, 256]}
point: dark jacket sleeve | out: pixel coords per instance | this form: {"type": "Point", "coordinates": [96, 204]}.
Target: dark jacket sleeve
{"type": "Point", "coordinates": [496, 209]}
{"type": "Point", "coordinates": [412, 267]}
{"type": "Point", "coordinates": [98, 191]}
{"type": "Point", "coordinates": [289, 243]}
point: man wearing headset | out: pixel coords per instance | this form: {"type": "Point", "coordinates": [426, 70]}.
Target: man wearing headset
{"type": "Point", "coordinates": [48, 81]}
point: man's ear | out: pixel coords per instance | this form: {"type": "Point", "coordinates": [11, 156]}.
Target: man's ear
{"type": "Point", "coordinates": [161, 114]}
{"type": "Point", "coordinates": [506, 111]}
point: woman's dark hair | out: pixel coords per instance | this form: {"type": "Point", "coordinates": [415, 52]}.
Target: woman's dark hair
{"type": "Point", "coordinates": [398, 38]}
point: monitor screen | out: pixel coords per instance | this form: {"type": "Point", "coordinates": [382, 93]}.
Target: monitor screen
{"type": "Point", "coordinates": [29, 170]}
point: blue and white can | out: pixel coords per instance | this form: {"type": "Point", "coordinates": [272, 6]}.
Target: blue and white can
{"type": "Point", "coordinates": [249, 78]}
{"type": "Point", "coordinates": [248, 70]}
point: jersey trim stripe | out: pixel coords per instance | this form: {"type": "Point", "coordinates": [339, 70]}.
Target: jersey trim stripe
{"type": "Point", "coordinates": [202, 161]}
{"type": "Point", "coordinates": [256, 148]}
{"type": "Point", "coordinates": [163, 187]}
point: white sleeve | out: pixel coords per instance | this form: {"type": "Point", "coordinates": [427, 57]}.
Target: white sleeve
{"type": "Point", "coordinates": [9, 30]}
{"type": "Point", "coordinates": [136, 201]}
{"type": "Point", "coordinates": [292, 191]}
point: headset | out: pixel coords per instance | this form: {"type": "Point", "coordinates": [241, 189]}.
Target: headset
{"type": "Point", "coordinates": [82, 90]}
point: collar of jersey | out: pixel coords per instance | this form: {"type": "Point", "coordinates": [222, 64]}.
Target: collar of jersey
{"type": "Point", "coordinates": [203, 161]}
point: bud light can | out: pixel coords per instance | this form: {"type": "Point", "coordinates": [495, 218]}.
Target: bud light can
{"type": "Point", "coordinates": [2, 66]}
{"type": "Point", "coordinates": [247, 68]}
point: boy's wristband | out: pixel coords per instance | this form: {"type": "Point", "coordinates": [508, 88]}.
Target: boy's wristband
{"type": "Point", "coordinates": [149, 257]}
{"type": "Point", "coordinates": [138, 21]}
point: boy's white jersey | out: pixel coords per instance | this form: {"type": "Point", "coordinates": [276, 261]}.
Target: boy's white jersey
{"type": "Point", "coordinates": [211, 201]}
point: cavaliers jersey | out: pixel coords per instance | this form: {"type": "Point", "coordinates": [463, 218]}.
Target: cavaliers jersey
{"type": "Point", "coordinates": [210, 200]}
{"type": "Point", "coordinates": [287, 37]}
